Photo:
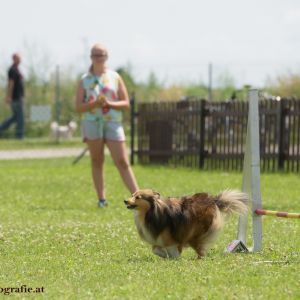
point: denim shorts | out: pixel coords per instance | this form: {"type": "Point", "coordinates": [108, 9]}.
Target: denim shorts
{"type": "Point", "coordinates": [99, 129]}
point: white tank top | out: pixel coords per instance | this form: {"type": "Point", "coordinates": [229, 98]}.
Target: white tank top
{"type": "Point", "coordinates": [94, 86]}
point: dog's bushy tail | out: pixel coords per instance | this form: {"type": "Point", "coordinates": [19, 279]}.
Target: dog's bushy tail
{"type": "Point", "coordinates": [232, 201]}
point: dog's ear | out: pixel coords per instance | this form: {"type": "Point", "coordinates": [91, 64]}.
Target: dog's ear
{"type": "Point", "coordinates": [157, 194]}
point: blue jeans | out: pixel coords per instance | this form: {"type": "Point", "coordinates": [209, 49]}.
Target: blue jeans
{"type": "Point", "coordinates": [17, 117]}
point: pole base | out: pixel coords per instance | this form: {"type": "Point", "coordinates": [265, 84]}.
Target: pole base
{"type": "Point", "coordinates": [236, 246]}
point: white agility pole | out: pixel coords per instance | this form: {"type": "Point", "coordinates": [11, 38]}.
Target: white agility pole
{"type": "Point", "coordinates": [251, 174]}
{"type": "Point", "coordinates": [251, 181]}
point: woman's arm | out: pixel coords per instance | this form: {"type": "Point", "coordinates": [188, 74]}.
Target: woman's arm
{"type": "Point", "coordinates": [123, 98]}
{"type": "Point", "coordinates": [80, 105]}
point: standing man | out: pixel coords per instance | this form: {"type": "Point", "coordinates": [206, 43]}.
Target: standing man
{"type": "Point", "coordinates": [15, 98]}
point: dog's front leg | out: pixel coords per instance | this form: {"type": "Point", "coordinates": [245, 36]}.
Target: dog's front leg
{"type": "Point", "coordinates": [173, 252]}
{"type": "Point", "coordinates": [162, 252]}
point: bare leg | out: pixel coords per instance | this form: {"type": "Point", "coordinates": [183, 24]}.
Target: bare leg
{"type": "Point", "coordinates": [96, 149]}
{"type": "Point", "coordinates": [119, 155]}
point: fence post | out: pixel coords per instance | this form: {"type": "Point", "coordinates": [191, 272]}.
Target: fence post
{"type": "Point", "coordinates": [281, 133]}
{"type": "Point", "coordinates": [57, 100]}
{"type": "Point", "coordinates": [132, 128]}
{"type": "Point", "coordinates": [210, 74]}
{"type": "Point", "coordinates": [202, 134]}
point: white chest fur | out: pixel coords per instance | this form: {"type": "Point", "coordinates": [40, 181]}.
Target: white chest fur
{"type": "Point", "coordinates": [142, 230]}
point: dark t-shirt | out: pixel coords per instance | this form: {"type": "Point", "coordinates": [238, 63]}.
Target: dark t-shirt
{"type": "Point", "coordinates": [18, 90]}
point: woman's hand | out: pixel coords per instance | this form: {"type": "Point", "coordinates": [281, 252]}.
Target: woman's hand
{"type": "Point", "coordinates": [103, 102]}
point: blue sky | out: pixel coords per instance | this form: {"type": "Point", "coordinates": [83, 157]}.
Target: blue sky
{"type": "Point", "coordinates": [250, 40]}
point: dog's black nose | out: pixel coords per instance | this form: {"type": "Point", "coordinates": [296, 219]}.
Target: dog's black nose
{"type": "Point", "coordinates": [125, 201]}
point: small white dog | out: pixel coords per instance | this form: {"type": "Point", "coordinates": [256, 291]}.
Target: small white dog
{"type": "Point", "coordinates": [65, 132]}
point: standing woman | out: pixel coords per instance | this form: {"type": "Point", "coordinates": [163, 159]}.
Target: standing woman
{"type": "Point", "coordinates": [101, 97]}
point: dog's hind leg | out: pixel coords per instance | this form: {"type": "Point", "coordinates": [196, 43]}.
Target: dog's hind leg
{"type": "Point", "coordinates": [179, 247]}
{"type": "Point", "coordinates": [201, 252]}
{"type": "Point", "coordinates": [199, 248]}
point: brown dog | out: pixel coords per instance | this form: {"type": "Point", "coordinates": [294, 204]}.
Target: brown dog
{"type": "Point", "coordinates": [173, 223]}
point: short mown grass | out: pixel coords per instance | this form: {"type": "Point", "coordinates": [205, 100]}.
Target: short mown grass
{"type": "Point", "coordinates": [39, 143]}
{"type": "Point", "coordinates": [54, 236]}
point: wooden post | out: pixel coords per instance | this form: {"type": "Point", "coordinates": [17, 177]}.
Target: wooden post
{"type": "Point", "coordinates": [132, 128]}
{"type": "Point", "coordinates": [281, 132]}
{"type": "Point", "coordinates": [202, 134]}
{"type": "Point", "coordinates": [210, 74]}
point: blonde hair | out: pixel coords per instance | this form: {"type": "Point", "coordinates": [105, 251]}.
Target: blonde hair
{"type": "Point", "coordinates": [97, 46]}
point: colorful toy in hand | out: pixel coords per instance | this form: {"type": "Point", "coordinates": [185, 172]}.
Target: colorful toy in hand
{"type": "Point", "coordinates": [105, 107]}
{"type": "Point", "coordinates": [110, 94]}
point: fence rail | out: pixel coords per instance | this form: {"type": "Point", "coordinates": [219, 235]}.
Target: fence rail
{"type": "Point", "coordinates": [211, 135]}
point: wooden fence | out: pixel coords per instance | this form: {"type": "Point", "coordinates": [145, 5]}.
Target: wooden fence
{"type": "Point", "coordinates": [211, 135]}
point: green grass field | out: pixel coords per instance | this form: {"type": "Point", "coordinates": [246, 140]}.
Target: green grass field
{"type": "Point", "coordinates": [53, 236]}
{"type": "Point", "coordinates": [39, 143]}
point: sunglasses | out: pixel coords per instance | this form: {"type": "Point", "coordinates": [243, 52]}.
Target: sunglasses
{"type": "Point", "coordinates": [98, 55]}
